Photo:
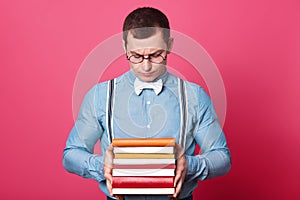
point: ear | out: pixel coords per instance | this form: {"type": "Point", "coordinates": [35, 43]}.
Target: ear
{"type": "Point", "coordinates": [170, 44]}
{"type": "Point", "coordinates": [124, 46]}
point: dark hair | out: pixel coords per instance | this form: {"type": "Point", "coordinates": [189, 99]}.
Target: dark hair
{"type": "Point", "coordinates": [143, 23]}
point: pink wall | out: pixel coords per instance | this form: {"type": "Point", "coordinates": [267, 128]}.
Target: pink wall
{"type": "Point", "coordinates": [255, 45]}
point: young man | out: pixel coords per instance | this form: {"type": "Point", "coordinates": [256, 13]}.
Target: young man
{"type": "Point", "coordinates": [148, 102]}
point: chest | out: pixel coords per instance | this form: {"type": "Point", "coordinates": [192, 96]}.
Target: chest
{"type": "Point", "coordinates": [146, 115]}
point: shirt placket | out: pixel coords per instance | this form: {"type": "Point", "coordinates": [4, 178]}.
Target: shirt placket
{"type": "Point", "coordinates": [148, 101]}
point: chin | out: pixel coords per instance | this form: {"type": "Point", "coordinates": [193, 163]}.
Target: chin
{"type": "Point", "coordinates": [147, 79]}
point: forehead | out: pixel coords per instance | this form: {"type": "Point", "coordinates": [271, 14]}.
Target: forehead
{"type": "Point", "coordinates": [152, 43]}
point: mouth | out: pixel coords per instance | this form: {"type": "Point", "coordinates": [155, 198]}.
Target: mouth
{"type": "Point", "coordinates": [147, 74]}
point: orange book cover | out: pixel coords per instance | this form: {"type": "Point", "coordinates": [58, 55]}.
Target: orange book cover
{"type": "Point", "coordinates": [143, 155]}
{"type": "Point", "coordinates": [150, 142]}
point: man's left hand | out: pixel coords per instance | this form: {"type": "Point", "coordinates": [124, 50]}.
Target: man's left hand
{"type": "Point", "coordinates": [181, 169]}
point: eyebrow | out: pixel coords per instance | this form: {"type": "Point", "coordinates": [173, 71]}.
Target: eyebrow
{"type": "Point", "coordinates": [158, 51]}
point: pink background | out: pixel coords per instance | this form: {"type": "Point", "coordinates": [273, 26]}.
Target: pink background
{"type": "Point", "coordinates": [255, 45]}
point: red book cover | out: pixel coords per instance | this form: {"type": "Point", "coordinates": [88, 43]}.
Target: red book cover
{"type": "Point", "coordinates": [144, 191]}
{"type": "Point", "coordinates": [145, 166]}
{"type": "Point", "coordinates": [143, 182]}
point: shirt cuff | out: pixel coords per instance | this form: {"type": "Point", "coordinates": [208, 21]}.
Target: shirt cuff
{"type": "Point", "coordinates": [96, 168]}
{"type": "Point", "coordinates": [197, 167]}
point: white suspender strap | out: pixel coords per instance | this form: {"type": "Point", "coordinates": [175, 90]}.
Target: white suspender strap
{"type": "Point", "coordinates": [183, 111]}
{"type": "Point", "coordinates": [110, 100]}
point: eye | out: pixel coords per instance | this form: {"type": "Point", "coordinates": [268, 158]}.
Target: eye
{"type": "Point", "coordinates": [156, 55]}
{"type": "Point", "coordinates": [136, 55]}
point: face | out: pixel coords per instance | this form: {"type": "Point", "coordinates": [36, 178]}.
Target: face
{"type": "Point", "coordinates": [153, 45]}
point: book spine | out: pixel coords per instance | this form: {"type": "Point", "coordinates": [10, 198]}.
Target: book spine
{"type": "Point", "coordinates": [143, 172]}
{"type": "Point", "coordinates": [140, 155]}
{"type": "Point", "coordinates": [143, 182]}
{"type": "Point", "coordinates": [146, 142]}
{"type": "Point", "coordinates": [145, 166]}
{"type": "Point", "coordinates": [144, 150]}
{"type": "Point", "coordinates": [143, 191]}
{"type": "Point", "coordinates": [134, 161]}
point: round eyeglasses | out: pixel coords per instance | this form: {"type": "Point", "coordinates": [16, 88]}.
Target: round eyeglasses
{"type": "Point", "coordinates": [154, 58]}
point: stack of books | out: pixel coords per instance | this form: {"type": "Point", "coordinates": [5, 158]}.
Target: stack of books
{"type": "Point", "coordinates": [143, 166]}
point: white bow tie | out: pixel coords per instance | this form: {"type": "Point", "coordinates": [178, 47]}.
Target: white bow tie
{"type": "Point", "coordinates": [139, 86]}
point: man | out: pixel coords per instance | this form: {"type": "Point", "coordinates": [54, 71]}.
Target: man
{"type": "Point", "coordinates": [148, 102]}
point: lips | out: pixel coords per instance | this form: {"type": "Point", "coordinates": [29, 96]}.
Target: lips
{"type": "Point", "coordinates": [147, 74]}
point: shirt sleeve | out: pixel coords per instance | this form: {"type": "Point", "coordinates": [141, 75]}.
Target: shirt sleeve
{"type": "Point", "coordinates": [214, 159]}
{"type": "Point", "coordinates": [78, 157]}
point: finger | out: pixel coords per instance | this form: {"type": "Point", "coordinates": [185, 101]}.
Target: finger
{"type": "Point", "coordinates": [171, 197]}
{"type": "Point", "coordinates": [178, 173]}
{"type": "Point", "coordinates": [109, 187]}
{"type": "Point", "coordinates": [108, 177]}
{"type": "Point", "coordinates": [178, 188]}
{"type": "Point", "coordinates": [180, 170]}
{"type": "Point", "coordinates": [180, 181]}
{"type": "Point", "coordinates": [120, 197]}
{"type": "Point", "coordinates": [107, 173]}
{"type": "Point", "coordinates": [176, 179]}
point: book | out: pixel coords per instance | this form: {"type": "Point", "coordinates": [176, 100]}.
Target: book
{"type": "Point", "coordinates": [133, 161]}
{"type": "Point", "coordinates": [143, 182]}
{"type": "Point", "coordinates": [146, 142]}
{"type": "Point", "coordinates": [166, 149]}
{"type": "Point", "coordinates": [143, 172]}
{"type": "Point", "coordinates": [145, 166]}
{"type": "Point", "coordinates": [143, 155]}
{"type": "Point", "coordinates": [145, 191]}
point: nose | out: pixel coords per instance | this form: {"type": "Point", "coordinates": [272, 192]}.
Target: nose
{"type": "Point", "coordinates": [147, 65]}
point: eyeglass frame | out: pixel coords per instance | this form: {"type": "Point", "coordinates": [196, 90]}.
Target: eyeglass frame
{"type": "Point", "coordinates": [148, 57]}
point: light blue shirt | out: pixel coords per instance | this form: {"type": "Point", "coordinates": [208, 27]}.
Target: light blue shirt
{"type": "Point", "coordinates": [144, 116]}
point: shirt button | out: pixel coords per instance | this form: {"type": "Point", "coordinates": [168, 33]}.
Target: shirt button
{"type": "Point", "coordinates": [148, 102]}
{"type": "Point", "coordinates": [148, 126]}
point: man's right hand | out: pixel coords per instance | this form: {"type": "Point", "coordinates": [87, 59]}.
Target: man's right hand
{"type": "Point", "coordinates": [107, 167]}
